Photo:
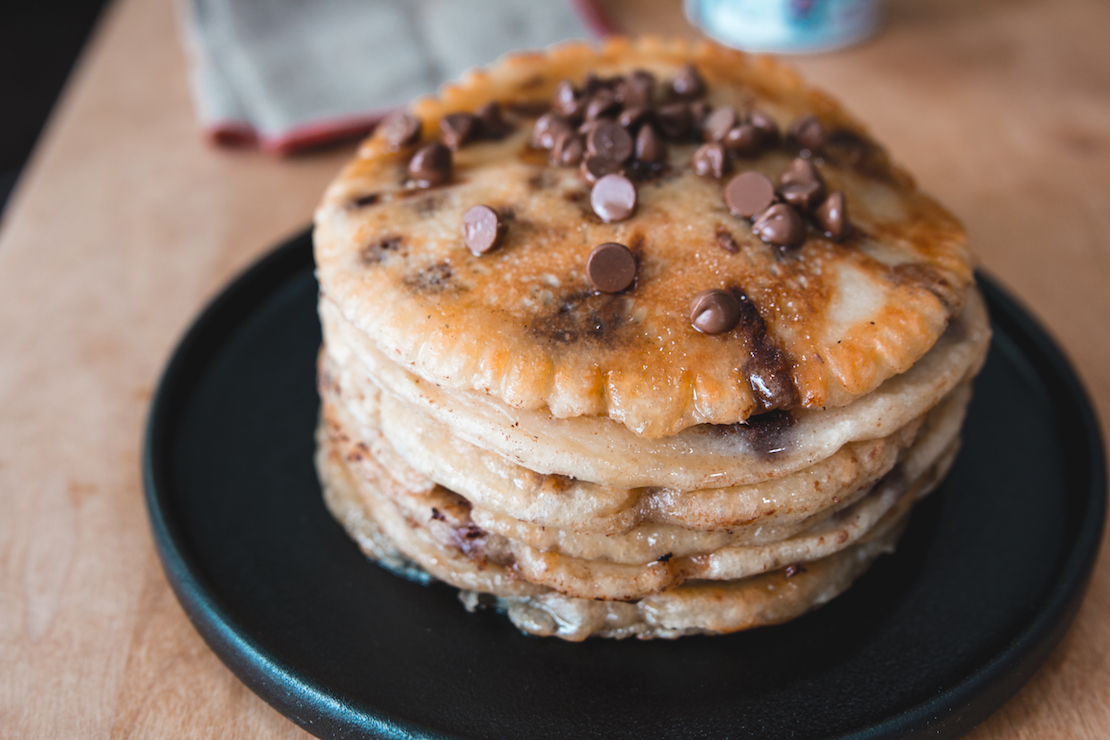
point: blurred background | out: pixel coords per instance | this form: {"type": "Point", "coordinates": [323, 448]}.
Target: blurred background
{"type": "Point", "coordinates": [240, 53]}
{"type": "Point", "coordinates": [39, 43]}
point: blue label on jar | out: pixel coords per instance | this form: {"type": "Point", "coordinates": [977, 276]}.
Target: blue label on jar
{"type": "Point", "coordinates": [785, 25]}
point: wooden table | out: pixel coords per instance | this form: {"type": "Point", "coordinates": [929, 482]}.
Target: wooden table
{"type": "Point", "coordinates": [126, 223]}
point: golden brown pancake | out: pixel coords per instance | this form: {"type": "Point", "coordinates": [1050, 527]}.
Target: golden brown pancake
{"type": "Point", "coordinates": [670, 403]}
{"type": "Point", "coordinates": [522, 324]}
{"type": "Point", "coordinates": [695, 607]}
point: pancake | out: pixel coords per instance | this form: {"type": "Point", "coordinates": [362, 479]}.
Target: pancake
{"type": "Point", "coordinates": [599, 450]}
{"type": "Point", "coordinates": [643, 339]}
{"type": "Point", "coordinates": [845, 315]}
{"type": "Point", "coordinates": [502, 493]}
{"type": "Point", "coordinates": [697, 606]}
{"type": "Point", "coordinates": [620, 568]}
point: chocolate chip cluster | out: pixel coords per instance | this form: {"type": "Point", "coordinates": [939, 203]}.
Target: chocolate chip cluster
{"type": "Point", "coordinates": [728, 136]}
{"type": "Point", "coordinates": [431, 164]}
{"type": "Point", "coordinates": [778, 214]}
{"type": "Point", "coordinates": [616, 131]}
{"type": "Point", "coordinates": [620, 125]}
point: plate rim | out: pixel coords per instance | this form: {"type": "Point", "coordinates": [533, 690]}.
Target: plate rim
{"type": "Point", "coordinates": [950, 713]}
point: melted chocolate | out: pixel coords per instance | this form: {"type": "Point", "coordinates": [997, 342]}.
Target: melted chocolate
{"type": "Point", "coordinates": [768, 434]}
{"type": "Point", "coordinates": [471, 539]}
{"type": "Point", "coordinates": [378, 251]}
{"type": "Point", "coordinates": [433, 279]}
{"type": "Point", "coordinates": [767, 367]}
{"type": "Point", "coordinates": [584, 316]}
{"type": "Point", "coordinates": [365, 200]}
{"type": "Point", "coordinates": [726, 241]}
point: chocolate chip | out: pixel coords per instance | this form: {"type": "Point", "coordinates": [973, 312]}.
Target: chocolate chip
{"type": "Point", "coordinates": [567, 101]}
{"type": "Point", "coordinates": [780, 225]}
{"type": "Point", "coordinates": [611, 268]}
{"type": "Point", "coordinates": [631, 117]}
{"type": "Point", "coordinates": [587, 126]}
{"type": "Point", "coordinates": [832, 216]}
{"type": "Point", "coordinates": [807, 132]}
{"type": "Point", "coordinates": [481, 229]}
{"type": "Point", "coordinates": [636, 89]}
{"type": "Point", "coordinates": [365, 200]}
{"type": "Point", "coordinates": [718, 123]}
{"type": "Point", "coordinates": [431, 165]}
{"type": "Point", "coordinates": [640, 171]}
{"type": "Point", "coordinates": [744, 140]}
{"type": "Point", "coordinates": [710, 160]}
{"type": "Point", "coordinates": [457, 129]}
{"type": "Point", "coordinates": [802, 195]}
{"type": "Point", "coordinates": [714, 311]}
{"type": "Point", "coordinates": [592, 84]}
{"type": "Point", "coordinates": [768, 129]}
{"type": "Point", "coordinates": [608, 139]}
{"type": "Point", "coordinates": [594, 168]}
{"type": "Point", "coordinates": [749, 194]}
{"type": "Point", "coordinates": [491, 124]}
{"type": "Point", "coordinates": [801, 170]}
{"type": "Point", "coordinates": [792, 570]}
{"type": "Point", "coordinates": [613, 198]}
{"type": "Point", "coordinates": [400, 130]}
{"type": "Point", "coordinates": [687, 83]}
{"type": "Point", "coordinates": [547, 129]}
{"type": "Point", "coordinates": [699, 110]}
{"type": "Point", "coordinates": [802, 185]}
{"type": "Point", "coordinates": [601, 103]}
{"type": "Point", "coordinates": [649, 147]}
{"type": "Point", "coordinates": [568, 150]}
{"type": "Point", "coordinates": [726, 241]}
{"type": "Point", "coordinates": [674, 121]}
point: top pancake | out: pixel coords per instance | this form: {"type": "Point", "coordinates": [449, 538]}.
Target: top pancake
{"type": "Point", "coordinates": [522, 322]}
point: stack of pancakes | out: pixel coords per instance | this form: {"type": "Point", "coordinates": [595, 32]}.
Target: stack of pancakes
{"type": "Point", "coordinates": [590, 462]}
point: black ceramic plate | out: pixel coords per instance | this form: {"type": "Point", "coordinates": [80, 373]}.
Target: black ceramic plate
{"type": "Point", "coordinates": [927, 643]}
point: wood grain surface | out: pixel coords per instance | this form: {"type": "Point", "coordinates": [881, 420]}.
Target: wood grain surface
{"type": "Point", "coordinates": [126, 223]}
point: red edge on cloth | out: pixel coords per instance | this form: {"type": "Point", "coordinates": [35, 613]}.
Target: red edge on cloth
{"type": "Point", "coordinates": [240, 134]}
{"type": "Point", "coordinates": [594, 17]}
{"type": "Point", "coordinates": [232, 134]}
{"type": "Point", "coordinates": [321, 133]}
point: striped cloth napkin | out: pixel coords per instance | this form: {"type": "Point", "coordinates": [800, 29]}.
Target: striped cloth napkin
{"type": "Point", "coordinates": [290, 74]}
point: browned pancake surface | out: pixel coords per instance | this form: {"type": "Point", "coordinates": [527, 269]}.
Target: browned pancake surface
{"type": "Point", "coordinates": [826, 322]}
